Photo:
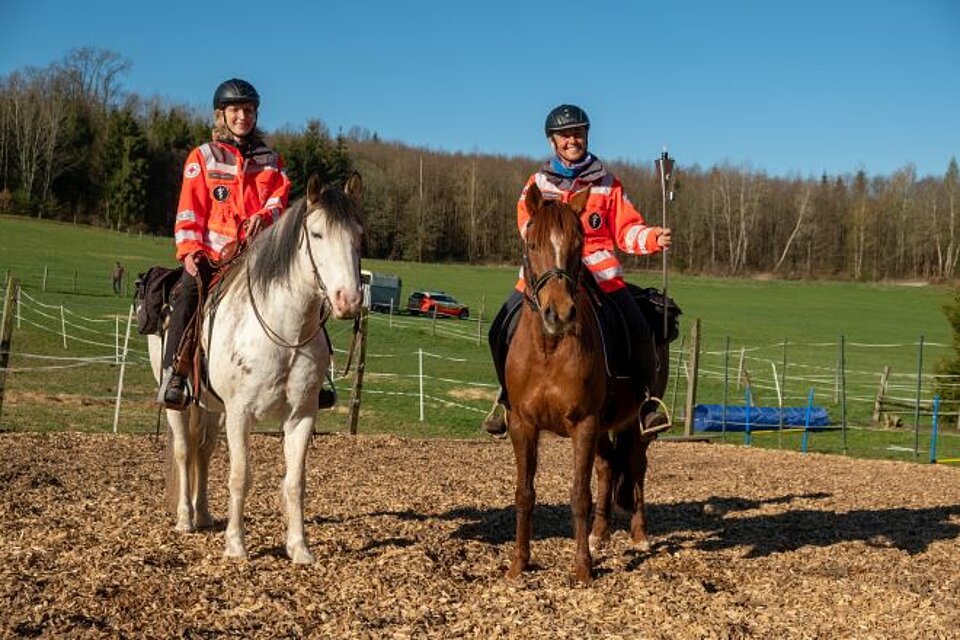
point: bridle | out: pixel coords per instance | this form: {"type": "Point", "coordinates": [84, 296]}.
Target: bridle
{"type": "Point", "coordinates": [325, 306]}
{"type": "Point", "coordinates": [533, 283]}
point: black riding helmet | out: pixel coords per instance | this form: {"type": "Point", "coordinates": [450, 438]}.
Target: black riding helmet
{"type": "Point", "coordinates": [566, 116]}
{"type": "Point", "coordinates": [235, 91]}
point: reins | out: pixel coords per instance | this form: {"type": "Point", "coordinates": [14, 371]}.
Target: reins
{"type": "Point", "coordinates": [325, 309]}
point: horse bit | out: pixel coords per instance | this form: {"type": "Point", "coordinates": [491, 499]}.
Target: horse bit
{"type": "Point", "coordinates": [540, 281]}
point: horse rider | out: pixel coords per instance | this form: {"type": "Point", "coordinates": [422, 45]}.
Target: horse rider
{"type": "Point", "coordinates": [609, 221]}
{"type": "Point", "coordinates": [233, 187]}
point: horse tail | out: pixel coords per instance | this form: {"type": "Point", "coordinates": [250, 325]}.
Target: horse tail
{"type": "Point", "coordinates": [629, 467]}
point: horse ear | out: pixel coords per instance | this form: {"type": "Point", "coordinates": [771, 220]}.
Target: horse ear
{"type": "Point", "coordinates": [533, 199]}
{"type": "Point", "coordinates": [579, 200]}
{"type": "Point", "coordinates": [354, 187]}
{"type": "Point", "coordinates": [313, 189]}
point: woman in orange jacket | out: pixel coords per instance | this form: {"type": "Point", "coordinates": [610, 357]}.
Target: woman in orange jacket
{"type": "Point", "coordinates": [233, 187]}
{"type": "Point", "coordinates": [610, 221]}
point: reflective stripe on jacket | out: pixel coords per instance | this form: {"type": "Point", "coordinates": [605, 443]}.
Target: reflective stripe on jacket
{"type": "Point", "coordinates": [221, 189]}
{"type": "Point", "coordinates": [609, 220]}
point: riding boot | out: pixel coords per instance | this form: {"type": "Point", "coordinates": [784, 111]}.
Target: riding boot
{"type": "Point", "coordinates": [174, 389]}
{"type": "Point", "coordinates": [495, 423]}
{"type": "Point", "coordinates": [653, 415]}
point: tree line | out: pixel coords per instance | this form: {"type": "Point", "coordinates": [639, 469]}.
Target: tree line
{"type": "Point", "coordinates": [74, 146]}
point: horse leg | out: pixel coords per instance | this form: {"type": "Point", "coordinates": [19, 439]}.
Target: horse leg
{"type": "Point", "coordinates": [179, 476]}
{"type": "Point", "coordinates": [524, 439]}
{"type": "Point", "coordinates": [638, 469]}
{"type": "Point", "coordinates": [296, 437]}
{"type": "Point", "coordinates": [238, 436]}
{"type": "Point", "coordinates": [208, 435]}
{"type": "Point", "coordinates": [603, 462]}
{"type": "Point", "coordinates": [584, 450]}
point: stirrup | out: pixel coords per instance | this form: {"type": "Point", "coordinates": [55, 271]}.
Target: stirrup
{"type": "Point", "coordinates": [656, 419]}
{"type": "Point", "coordinates": [165, 395]}
{"type": "Point", "coordinates": [496, 421]}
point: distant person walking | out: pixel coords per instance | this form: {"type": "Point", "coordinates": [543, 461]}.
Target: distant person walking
{"type": "Point", "coordinates": [117, 278]}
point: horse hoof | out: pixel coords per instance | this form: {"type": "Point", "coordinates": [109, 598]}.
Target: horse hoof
{"type": "Point", "coordinates": [596, 542]}
{"type": "Point", "coordinates": [204, 521]}
{"type": "Point", "coordinates": [642, 545]}
{"type": "Point", "coordinates": [301, 555]}
{"type": "Point", "coordinates": [184, 527]}
{"type": "Point", "coordinates": [235, 551]}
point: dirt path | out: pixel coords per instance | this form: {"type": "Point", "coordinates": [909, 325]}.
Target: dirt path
{"type": "Point", "coordinates": [412, 540]}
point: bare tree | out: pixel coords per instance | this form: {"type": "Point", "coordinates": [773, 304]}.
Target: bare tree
{"type": "Point", "coordinates": [94, 75]}
{"type": "Point", "coordinates": [803, 202]}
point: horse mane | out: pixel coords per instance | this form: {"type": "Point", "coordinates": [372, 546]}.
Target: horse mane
{"type": "Point", "coordinates": [555, 215]}
{"type": "Point", "coordinates": [271, 255]}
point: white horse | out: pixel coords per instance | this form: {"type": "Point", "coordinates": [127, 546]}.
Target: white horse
{"type": "Point", "coordinates": [267, 355]}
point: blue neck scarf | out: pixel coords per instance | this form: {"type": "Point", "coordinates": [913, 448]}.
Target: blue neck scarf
{"type": "Point", "coordinates": [572, 171]}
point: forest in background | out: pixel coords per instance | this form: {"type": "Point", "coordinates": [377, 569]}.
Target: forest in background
{"type": "Point", "coordinates": [75, 147]}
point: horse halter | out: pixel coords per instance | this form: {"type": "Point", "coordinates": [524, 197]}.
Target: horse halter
{"type": "Point", "coordinates": [534, 283]}
{"type": "Point", "coordinates": [325, 306]}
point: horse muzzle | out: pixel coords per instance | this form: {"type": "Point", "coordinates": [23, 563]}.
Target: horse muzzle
{"type": "Point", "coordinates": [345, 303]}
{"type": "Point", "coordinates": [558, 319]}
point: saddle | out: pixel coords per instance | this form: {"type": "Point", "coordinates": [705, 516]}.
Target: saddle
{"type": "Point", "coordinates": [617, 336]}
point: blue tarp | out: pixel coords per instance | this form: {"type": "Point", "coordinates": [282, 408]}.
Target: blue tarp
{"type": "Point", "coordinates": [710, 417]}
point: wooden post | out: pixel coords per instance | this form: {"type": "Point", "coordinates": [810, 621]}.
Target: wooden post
{"type": "Point", "coordinates": [434, 320]}
{"type": "Point", "coordinates": [692, 377]}
{"type": "Point", "coordinates": [75, 276]}
{"type": "Point", "coordinates": [44, 285]}
{"type": "Point", "coordinates": [358, 374]}
{"type": "Point", "coordinates": [6, 332]}
{"type": "Point", "coordinates": [878, 404]}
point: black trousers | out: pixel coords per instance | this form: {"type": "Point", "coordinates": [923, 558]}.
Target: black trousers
{"type": "Point", "coordinates": [184, 308]}
{"type": "Point", "coordinates": [644, 363]}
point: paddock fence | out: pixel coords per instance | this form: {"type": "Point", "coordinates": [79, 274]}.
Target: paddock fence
{"type": "Point", "coordinates": [71, 368]}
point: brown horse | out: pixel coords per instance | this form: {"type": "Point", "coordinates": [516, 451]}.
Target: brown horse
{"type": "Point", "coordinates": [556, 381]}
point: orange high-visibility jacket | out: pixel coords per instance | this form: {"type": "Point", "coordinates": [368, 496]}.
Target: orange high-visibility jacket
{"type": "Point", "coordinates": [608, 219]}
{"type": "Point", "coordinates": [221, 189]}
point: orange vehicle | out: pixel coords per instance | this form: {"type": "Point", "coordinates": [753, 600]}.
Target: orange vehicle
{"type": "Point", "coordinates": [428, 302]}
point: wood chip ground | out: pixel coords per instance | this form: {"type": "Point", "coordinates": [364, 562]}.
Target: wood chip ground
{"type": "Point", "coordinates": [413, 537]}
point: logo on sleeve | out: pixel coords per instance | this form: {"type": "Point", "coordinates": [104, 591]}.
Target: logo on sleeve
{"type": "Point", "coordinates": [192, 170]}
{"type": "Point", "coordinates": [594, 220]}
{"type": "Point", "coordinates": [221, 193]}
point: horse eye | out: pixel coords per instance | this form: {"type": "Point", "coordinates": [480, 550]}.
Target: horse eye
{"type": "Point", "coordinates": [316, 236]}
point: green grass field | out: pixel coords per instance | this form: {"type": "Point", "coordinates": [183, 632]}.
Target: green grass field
{"type": "Point", "coordinates": [749, 327]}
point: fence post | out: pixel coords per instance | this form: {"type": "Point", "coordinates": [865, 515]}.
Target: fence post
{"type": "Point", "coordinates": [878, 404]}
{"type": "Point", "coordinates": [420, 355]}
{"type": "Point", "coordinates": [44, 283]}
{"type": "Point", "coordinates": [63, 326]}
{"type": "Point", "coordinates": [692, 379]}
{"type": "Point", "coordinates": [483, 304]}
{"type": "Point", "coordinates": [358, 372]}
{"type": "Point", "coordinates": [123, 368]}
{"type": "Point", "coordinates": [6, 332]}
{"type": "Point", "coordinates": [843, 392]}
{"type": "Point", "coordinates": [916, 407]}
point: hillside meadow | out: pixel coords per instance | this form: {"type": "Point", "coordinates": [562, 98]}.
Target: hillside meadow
{"type": "Point", "coordinates": [784, 336]}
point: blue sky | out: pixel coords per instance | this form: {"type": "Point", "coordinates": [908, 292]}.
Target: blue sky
{"type": "Point", "coordinates": [789, 88]}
